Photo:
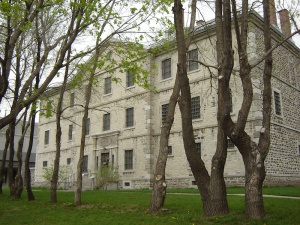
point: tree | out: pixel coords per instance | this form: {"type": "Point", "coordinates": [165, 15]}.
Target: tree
{"type": "Point", "coordinates": [105, 175]}
{"type": "Point", "coordinates": [159, 181]}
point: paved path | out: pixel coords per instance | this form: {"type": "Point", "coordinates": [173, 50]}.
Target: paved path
{"type": "Point", "coordinates": [267, 196]}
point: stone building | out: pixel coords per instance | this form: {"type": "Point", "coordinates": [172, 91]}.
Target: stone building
{"type": "Point", "coordinates": [18, 134]}
{"type": "Point", "coordinates": [125, 120]}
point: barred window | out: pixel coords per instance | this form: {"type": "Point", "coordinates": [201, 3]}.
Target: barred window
{"type": "Point", "coordinates": [129, 79]}
{"type": "Point", "coordinates": [107, 85]}
{"type": "Point", "coordinates": [277, 103]}
{"type": "Point", "coordinates": [106, 122]}
{"type": "Point", "coordinates": [129, 117]}
{"type": "Point", "coordinates": [166, 68]}
{"type": "Point", "coordinates": [164, 112]}
{"type": "Point", "coordinates": [195, 107]}
{"type": "Point", "coordinates": [128, 159]}
{"type": "Point", "coordinates": [198, 147]}
{"type": "Point", "coordinates": [192, 58]}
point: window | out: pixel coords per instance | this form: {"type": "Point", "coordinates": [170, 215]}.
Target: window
{"type": "Point", "coordinates": [299, 149]}
{"type": "Point", "coordinates": [277, 103]}
{"type": "Point", "coordinates": [198, 147]}
{"type": "Point", "coordinates": [70, 132]}
{"type": "Point", "coordinates": [106, 122]}
{"type": "Point", "coordinates": [128, 159]}
{"type": "Point", "coordinates": [164, 112]}
{"type": "Point", "coordinates": [107, 85]}
{"type": "Point", "coordinates": [129, 117]}
{"type": "Point", "coordinates": [192, 57]}
{"type": "Point", "coordinates": [127, 184]}
{"type": "Point", "coordinates": [230, 144]}
{"type": "Point", "coordinates": [230, 99]}
{"type": "Point", "coordinates": [45, 163]}
{"type": "Point", "coordinates": [166, 68]}
{"type": "Point", "coordinates": [72, 99]}
{"type": "Point", "coordinates": [109, 55]}
{"type": "Point", "coordinates": [47, 135]}
{"type": "Point", "coordinates": [68, 161]}
{"type": "Point", "coordinates": [129, 79]}
{"type": "Point", "coordinates": [196, 107]}
{"type": "Point", "coordinates": [85, 164]}
{"type": "Point", "coordinates": [170, 150]}
{"type": "Point", "coordinates": [87, 126]}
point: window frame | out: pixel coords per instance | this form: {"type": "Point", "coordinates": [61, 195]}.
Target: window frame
{"type": "Point", "coordinates": [128, 159]}
{"type": "Point", "coordinates": [70, 132]}
{"type": "Point", "coordinates": [170, 150]}
{"type": "Point", "coordinates": [106, 122]}
{"type": "Point", "coordinates": [129, 120]}
{"type": "Point", "coordinates": [88, 126]}
{"type": "Point", "coordinates": [166, 69]}
{"type": "Point", "coordinates": [129, 79]}
{"type": "Point", "coordinates": [196, 109]}
{"type": "Point", "coordinates": [72, 100]}
{"type": "Point", "coordinates": [197, 149]}
{"type": "Point", "coordinates": [190, 56]}
{"type": "Point", "coordinates": [47, 137]}
{"type": "Point", "coordinates": [277, 96]}
{"type": "Point", "coordinates": [164, 112]}
{"type": "Point", "coordinates": [107, 86]}
{"type": "Point", "coordinates": [85, 163]}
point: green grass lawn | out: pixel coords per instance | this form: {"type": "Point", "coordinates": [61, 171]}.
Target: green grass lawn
{"type": "Point", "coordinates": [131, 207]}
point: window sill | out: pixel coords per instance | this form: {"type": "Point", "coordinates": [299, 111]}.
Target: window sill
{"type": "Point", "coordinates": [129, 128]}
{"type": "Point", "coordinates": [231, 149]}
{"type": "Point", "coordinates": [166, 79]}
{"type": "Point", "coordinates": [193, 71]}
{"type": "Point", "coordinates": [131, 87]}
{"type": "Point", "coordinates": [128, 172]}
{"type": "Point", "coordinates": [108, 94]}
{"type": "Point", "coordinates": [170, 156]}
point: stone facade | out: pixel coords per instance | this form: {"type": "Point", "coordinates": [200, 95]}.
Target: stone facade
{"type": "Point", "coordinates": [133, 149]}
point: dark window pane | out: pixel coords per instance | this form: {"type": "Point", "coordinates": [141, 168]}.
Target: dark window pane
{"type": "Point", "coordinates": [192, 59]}
{"type": "Point", "coordinates": [129, 117]}
{"type": "Point", "coordinates": [166, 69]}
{"type": "Point", "coordinates": [128, 159]}
{"type": "Point", "coordinates": [196, 107]}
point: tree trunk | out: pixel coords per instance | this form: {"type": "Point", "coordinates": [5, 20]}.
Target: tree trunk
{"type": "Point", "coordinates": [197, 165]}
{"type": "Point", "coordinates": [159, 182]}
{"type": "Point", "coordinates": [11, 177]}
{"type": "Point", "coordinates": [30, 195]}
{"type": "Point", "coordinates": [4, 158]}
{"type": "Point", "coordinates": [59, 111]}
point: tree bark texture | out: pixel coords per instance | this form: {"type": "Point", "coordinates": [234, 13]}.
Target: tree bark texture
{"type": "Point", "coordinates": [3, 163]}
{"type": "Point", "coordinates": [30, 195]}
{"type": "Point", "coordinates": [59, 111]}
{"type": "Point", "coordinates": [159, 183]}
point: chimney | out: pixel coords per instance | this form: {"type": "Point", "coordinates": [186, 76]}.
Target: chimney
{"type": "Point", "coordinates": [273, 19]}
{"type": "Point", "coordinates": [285, 22]}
